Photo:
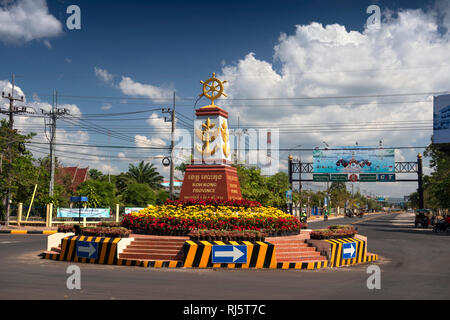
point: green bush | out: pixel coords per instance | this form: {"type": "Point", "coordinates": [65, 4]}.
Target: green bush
{"type": "Point", "coordinates": [139, 195]}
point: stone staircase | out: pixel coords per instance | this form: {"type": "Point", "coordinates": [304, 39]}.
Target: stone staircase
{"type": "Point", "coordinates": [295, 249]}
{"type": "Point", "coordinates": [148, 247]}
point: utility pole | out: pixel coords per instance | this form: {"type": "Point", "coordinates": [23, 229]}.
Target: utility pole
{"type": "Point", "coordinates": [12, 110]}
{"type": "Point", "coordinates": [172, 143]}
{"type": "Point", "coordinates": [172, 146]}
{"type": "Point", "coordinates": [420, 180]}
{"type": "Point", "coordinates": [54, 114]}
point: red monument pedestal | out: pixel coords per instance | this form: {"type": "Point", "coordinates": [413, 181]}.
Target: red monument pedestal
{"type": "Point", "coordinates": [203, 182]}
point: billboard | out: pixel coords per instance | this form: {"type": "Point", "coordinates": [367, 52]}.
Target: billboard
{"type": "Point", "coordinates": [354, 160]}
{"type": "Point", "coordinates": [441, 119]}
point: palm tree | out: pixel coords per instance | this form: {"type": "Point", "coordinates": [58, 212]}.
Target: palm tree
{"type": "Point", "coordinates": [145, 173]}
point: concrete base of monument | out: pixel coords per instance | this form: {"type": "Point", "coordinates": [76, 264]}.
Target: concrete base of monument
{"type": "Point", "coordinates": [202, 182]}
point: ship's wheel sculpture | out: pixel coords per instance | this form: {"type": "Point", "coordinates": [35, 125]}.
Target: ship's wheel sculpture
{"type": "Point", "coordinates": [213, 88]}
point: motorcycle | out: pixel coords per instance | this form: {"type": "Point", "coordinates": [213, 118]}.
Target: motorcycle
{"type": "Point", "coordinates": [349, 213]}
{"type": "Point", "coordinates": [441, 226]}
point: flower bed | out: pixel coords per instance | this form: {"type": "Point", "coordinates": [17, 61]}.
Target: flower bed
{"type": "Point", "coordinates": [103, 230]}
{"type": "Point", "coordinates": [181, 218]}
{"type": "Point", "coordinates": [215, 203]}
{"type": "Point", "coordinates": [106, 232]}
{"type": "Point", "coordinates": [334, 232]}
{"type": "Point", "coordinates": [228, 235]}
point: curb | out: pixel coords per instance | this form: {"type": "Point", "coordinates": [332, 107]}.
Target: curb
{"type": "Point", "coordinates": [28, 231]}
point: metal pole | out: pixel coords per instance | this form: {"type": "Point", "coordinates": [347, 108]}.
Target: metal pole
{"type": "Point", "coordinates": [290, 179]}
{"type": "Point", "coordinates": [52, 152]}
{"type": "Point", "coordinates": [419, 179]}
{"type": "Point", "coordinates": [172, 145]}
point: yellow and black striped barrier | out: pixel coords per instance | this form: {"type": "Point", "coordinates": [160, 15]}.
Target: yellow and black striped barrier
{"type": "Point", "coordinates": [303, 265]}
{"type": "Point", "coordinates": [336, 258]}
{"type": "Point", "coordinates": [107, 254]}
{"type": "Point", "coordinates": [107, 249]}
{"type": "Point", "coordinates": [259, 255]}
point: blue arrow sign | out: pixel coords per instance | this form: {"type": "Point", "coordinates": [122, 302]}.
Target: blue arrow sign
{"type": "Point", "coordinates": [87, 249]}
{"type": "Point", "coordinates": [349, 250]}
{"type": "Point", "coordinates": [229, 254]}
{"type": "Point", "coordinates": [78, 199]}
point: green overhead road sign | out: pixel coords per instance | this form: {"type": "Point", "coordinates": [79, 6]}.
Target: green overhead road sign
{"type": "Point", "coordinates": [368, 177]}
{"type": "Point", "coordinates": [386, 177]}
{"type": "Point", "coordinates": [339, 177]}
{"type": "Point", "coordinates": [321, 177]}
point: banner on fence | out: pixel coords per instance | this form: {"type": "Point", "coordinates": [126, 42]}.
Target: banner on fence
{"type": "Point", "coordinates": [85, 212]}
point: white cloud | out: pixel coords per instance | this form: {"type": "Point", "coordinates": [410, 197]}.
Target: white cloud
{"type": "Point", "coordinates": [408, 54]}
{"type": "Point", "coordinates": [132, 88]}
{"type": "Point", "coordinates": [25, 20]}
{"type": "Point", "coordinates": [106, 106]}
{"type": "Point", "coordinates": [103, 75]}
{"type": "Point", "coordinates": [143, 141]}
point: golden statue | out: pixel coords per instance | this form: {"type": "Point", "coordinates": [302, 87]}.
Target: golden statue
{"type": "Point", "coordinates": [213, 89]}
{"type": "Point", "coordinates": [225, 136]}
{"type": "Point", "coordinates": [207, 135]}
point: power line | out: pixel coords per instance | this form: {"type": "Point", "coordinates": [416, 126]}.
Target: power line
{"type": "Point", "coordinates": [265, 98]}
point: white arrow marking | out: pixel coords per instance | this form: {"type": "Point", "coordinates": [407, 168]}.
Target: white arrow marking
{"type": "Point", "coordinates": [236, 254]}
{"type": "Point", "coordinates": [350, 250]}
{"type": "Point", "coordinates": [90, 249]}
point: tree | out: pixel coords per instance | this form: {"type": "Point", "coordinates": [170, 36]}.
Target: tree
{"type": "Point", "coordinates": [437, 185]}
{"type": "Point", "coordinates": [95, 174]}
{"type": "Point", "coordinates": [277, 186]}
{"type": "Point", "coordinates": [17, 176]}
{"type": "Point", "coordinates": [139, 195]}
{"type": "Point", "coordinates": [145, 173]}
{"type": "Point", "coordinates": [99, 193]}
{"type": "Point", "coordinates": [253, 186]}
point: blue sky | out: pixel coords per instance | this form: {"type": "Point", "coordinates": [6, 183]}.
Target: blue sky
{"type": "Point", "coordinates": [173, 43]}
{"type": "Point", "coordinates": [150, 48]}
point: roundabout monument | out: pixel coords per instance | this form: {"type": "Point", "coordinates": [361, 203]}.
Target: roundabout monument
{"type": "Point", "coordinates": [211, 176]}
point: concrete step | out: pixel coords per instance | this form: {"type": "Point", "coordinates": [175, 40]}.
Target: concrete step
{"type": "Point", "coordinates": [157, 242]}
{"type": "Point", "coordinates": [153, 256]}
{"type": "Point", "coordinates": [294, 249]}
{"type": "Point", "coordinates": [160, 238]}
{"type": "Point", "coordinates": [298, 254]}
{"type": "Point", "coordinates": [151, 251]}
{"type": "Point", "coordinates": [156, 246]}
{"type": "Point", "coordinates": [304, 259]}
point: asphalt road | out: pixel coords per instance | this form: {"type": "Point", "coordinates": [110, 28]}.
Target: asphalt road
{"type": "Point", "coordinates": [414, 265]}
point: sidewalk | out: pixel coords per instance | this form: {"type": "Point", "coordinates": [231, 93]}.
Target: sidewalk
{"type": "Point", "coordinates": [28, 228]}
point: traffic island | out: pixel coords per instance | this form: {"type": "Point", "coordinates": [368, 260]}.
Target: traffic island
{"type": "Point", "coordinates": [274, 253]}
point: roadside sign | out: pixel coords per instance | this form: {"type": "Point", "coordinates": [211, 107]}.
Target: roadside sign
{"type": "Point", "coordinates": [78, 199]}
{"type": "Point", "coordinates": [289, 196]}
{"type": "Point", "coordinates": [339, 177]}
{"type": "Point", "coordinates": [353, 178]}
{"type": "Point", "coordinates": [349, 250]}
{"type": "Point", "coordinates": [229, 254]}
{"type": "Point", "coordinates": [321, 177]}
{"type": "Point", "coordinates": [386, 177]}
{"type": "Point", "coordinates": [367, 177]}
{"type": "Point", "coordinates": [87, 249]}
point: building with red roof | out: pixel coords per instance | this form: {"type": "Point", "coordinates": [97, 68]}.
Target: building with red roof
{"type": "Point", "coordinates": [75, 174]}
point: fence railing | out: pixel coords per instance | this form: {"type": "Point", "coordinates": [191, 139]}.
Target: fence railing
{"type": "Point", "coordinates": [22, 218]}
